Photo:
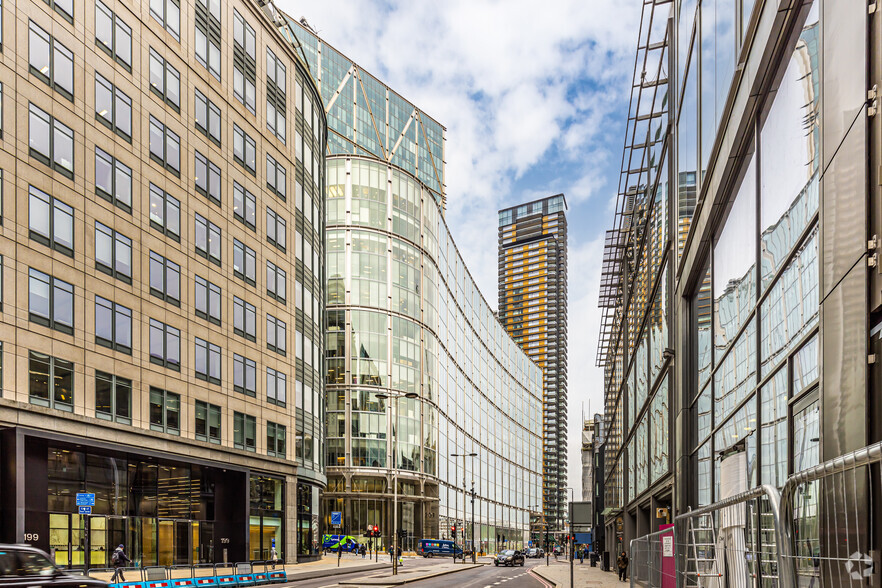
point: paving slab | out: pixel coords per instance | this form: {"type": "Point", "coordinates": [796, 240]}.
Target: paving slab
{"type": "Point", "coordinates": [584, 576]}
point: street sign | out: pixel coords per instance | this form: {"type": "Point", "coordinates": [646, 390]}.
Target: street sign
{"type": "Point", "coordinates": [336, 518]}
{"type": "Point", "coordinates": [85, 499]}
{"type": "Point", "coordinates": [85, 510]}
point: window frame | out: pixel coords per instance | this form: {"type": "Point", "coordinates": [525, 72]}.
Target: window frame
{"type": "Point", "coordinates": [244, 63]}
{"type": "Point", "coordinates": [276, 327]}
{"type": "Point", "coordinates": [209, 410]}
{"type": "Point", "coordinates": [273, 221]}
{"type": "Point", "coordinates": [117, 311]}
{"type": "Point", "coordinates": [246, 142]}
{"type": "Point", "coordinates": [242, 199]}
{"type": "Point", "coordinates": [212, 177]}
{"type": "Point", "coordinates": [212, 360]}
{"type": "Point", "coordinates": [277, 436]}
{"type": "Point", "coordinates": [248, 273]}
{"type": "Point", "coordinates": [168, 72]}
{"type": "Point", "coordinates": [116, 239]}
{"type": "Point", "coordinates": [169, 202]}
{"type": "Point", "coordinates": [174, 31]}
{"type": "Point", "coordinates": [168, 136]}
{"type": "Point", "coordinates": [52, 381]}
{"type": "Point", "coordinates": [272, 392]}
{"type": "Point", "coordinates": [241, 423]}
{"type": "Point", "coordinates": [55, 285]}
{"type": "Point", "coordinates": [118, 98]}
{"type": "Point", "coordinates": [168, 333]}
{"type": "Point", "coordinates": [117, 168]}
{"type": "Point", "coordinates": [209, 291]}
{"type": "Point", "coordinates": [246, 366]}
{"type": "Point", "coordinates": [207, 23]}
{"type": "Point", "coordinates": [53, 49]}
{"type": "Point", "coordinates": [166, 266]}
{"type": "Point", "coordinates": [211, 127]}
{"type": "Point", "coordinates": [248, 310]}
{"type": "Point", "coordinates": [211, 231]}
{"type": "Point", "coordinates": [117, 26]}
{"type": "Point", "coordinates": [273, 278]}
{"type": "Point", "coordinates": [56, 207]}
{"type": "Point", "coordinates": [277, 170]}
{"type": "Point", "coordinates": [165, 397]}
{"type": "Point", "coordinates": [115, 382]}
{"type": "Point", "coordinates": [54, 127]}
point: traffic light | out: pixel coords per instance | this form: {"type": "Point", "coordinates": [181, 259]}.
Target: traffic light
{"type": "Point", "coordinates": [376, 531]}
{"type": "Point", "coordinates": [453, 530]}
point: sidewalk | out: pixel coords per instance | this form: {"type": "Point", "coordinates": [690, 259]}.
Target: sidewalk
{"type": "Point", "coordinates": [584, 576]}
{"type": "Point", "coordinates": [413, 570]}
{"type": "Point", "coordinates": [327, 566]}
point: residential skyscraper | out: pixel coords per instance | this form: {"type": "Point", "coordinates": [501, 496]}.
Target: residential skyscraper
{"type": "Point", "coordinates": [533, 308]}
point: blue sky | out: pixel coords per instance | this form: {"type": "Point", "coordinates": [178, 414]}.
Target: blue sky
{"type": "Point", "coordinates": [534, 98]}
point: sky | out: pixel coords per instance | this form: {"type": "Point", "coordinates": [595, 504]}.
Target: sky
{"type": "Point", "coordinates": [534, 97]}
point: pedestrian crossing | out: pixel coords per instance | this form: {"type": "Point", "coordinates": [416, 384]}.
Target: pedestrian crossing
{"type": "Point", "coordinates": [506, 579]}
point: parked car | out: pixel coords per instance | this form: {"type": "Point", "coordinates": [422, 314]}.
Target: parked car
{"type": "Point", "coordinates": [541, 553]}
{"type": "Point", "coordinates": [23, 566]}
{"type": "Point", "coordinates": [509, 557]}
{"type": "Point", "coordinates": [438, 547]}
{"type": "Point", "coordinates": [532, 552]}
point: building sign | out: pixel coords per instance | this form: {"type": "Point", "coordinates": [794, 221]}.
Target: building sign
{"type": "Point", "coordinates": [336, 518]}
{"type": "Point", "coordinates": [668, 546]}
{"type": "Point", "coordinates": [85, 499]}
{"type": "Point", "coordinates": [86, 510]}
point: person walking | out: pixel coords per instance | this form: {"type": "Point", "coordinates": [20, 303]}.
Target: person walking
{"type": "Point", "coordinates": [581, 556]}
{"type": "Point", "coordinates": [400, 559]}
{"type": "Point", "coordinates": [119, 559]}
{"type": "Point", "coordinates": [622, 563]}
{"type": "Point", "coordinates": [274, 556]}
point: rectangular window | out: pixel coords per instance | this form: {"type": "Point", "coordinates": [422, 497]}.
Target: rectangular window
{"type": "Point", "coordinates": [244, 319]}
{"type": "Point", "coordinates": [165, 213]}
{"type": "Point", "coordinates": [275, 439]}
{"type": "Point", "coordinates": [165, 345]}
{"type": "Point", "coordinates": [113, 325]}
{"type": "Point", "coordinates": [208, 178]}
{"type": "Point", "coordinates": [208, 361]}
{"type": "Point", "coordinates": [50, 302]}
{"type": "Point", "coordinates": [50, 142]}
{"type": "Point", "coordinates": [208, 117]}
{"type": "Point", "coordinates": [208, 300]}
{"type": "Point", "coordinates": [165, 146]}
{"type": "Point", "coordinates": [113, 108]}
{"type": "Point", "coordinates": [208, 422]}
{"type": "Point", "coordinates": [276, 177]}
{"type": "Point", "coordinates": [168, 14]}
{"type": "Point", "coordinates": [244, 262]}
{"type": "Point", "coordinates": [165, 279]}
{"type": "Point", "coordinates": [244, 149]}
{"type": "Point", "coordinates": [275, 96]}
{"type": "Point", "coordinates": [244, 62]}
{"type": "Point", "coordinates": [113, 35]}
{"type": "Point", "coordinates": [113, 253]}
{"type": "Point", "coordinates": [276, 282]}
{"type": "Point", "coordinates": [276, 387]}
{"type": "Point", "coordinates": [208, 35]}
{"type": "Point", "coordinates": [244, 431]}
{"type": "Point", "coordinates": [63, 7]}
{"type": "Point", "coordinates": [244, 206]}
{"type": "Point", "coordinates": [50, 381]}
{"type": "Point", "coordinates": [113, 180]}
{"type": "Point", "coordinates": [113, 398]}
{"type": "Point", "coordinates": [244, 375]}
{"type": "Point", "coordinates": [276, 229]}
{"type": "Point", "coordinates": [208, 239]}
{"type": "Point", "coordinates": [276, 335]}
{"type": "Point", "coordinates": [50, 61]}
{"type": "Point", "coordinates": [51, 221]}
{"type": "Point", "coordinates": [165, 411]}
{"type": "Point", "coordinates": [165, 80]}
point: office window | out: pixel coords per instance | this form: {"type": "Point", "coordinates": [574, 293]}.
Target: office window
{"type": "Point", "coordinates": [276, 387]}
{"type": "Point", "coordinates": [165, 146]}
{"type": "Point", "coordinates": [276, 229]}
{"type": "Point", "coordinates": [165, 345]}
{"type": "Point", "coordinates": [244, 206]}
{"type": "Point", "coordinates": [165, 213]}
{"type": "Point", "coordinates": [50, 302]}
{"type": "Point", "coordinates": [244, 149]}
{"type": "Point", "coordinates": [50, 141]}
{"type": "Point", "coordinates": [244, 375]}
{"type": "Point", "coordinates": [276, 177]}
{"type": "Point", "coordinates": [208, 32]}
{"type": "Point", "coordinates": [50, 61]}
{"type": "Point", "coordinates": [168, 14]}
{"type": "Point", "coordinates": [208, 178]}
{"type": "Point", "coordinates": [113, 35]}
{"type": "Point", "coordinates": [276, 335]}
{"type": "Point", "coordinates": [208, 361]}
{"type": "Point", "coordinates": [244, 62]}
{"type": "Point", "coordinates": [113, 325]}
{"type": "Point", "coordinates": [165, 80]}
{"type": "Point", "coordinates": [50, 381]}
{"type": "Point", "coordinates": [207, 422]}
{"type": "Point", "coordinates": [113, 180]}
{"type": "Point", "coordinates": [275, 96]}
{"type": "Point", "coordinates": [244, 262]}
{"type": "Point", "coordinates": [113, 108]}
{"type": "Point", "coordinates": [244, 431]}
{"type": "Point", "coordinates": [208, 117]}
{"type": "Point", "coordinates": [208, 300]}
{"type": "Point", "coordinates": [276, 282]}
{"type": "Point", "coordinates": [165, 411]}
{"type": "Point", "coordinates": [113, 398]}
{"type": "Point", "coordinates": [113, 253]}
{"type": "Point", "coordinates": [208, 239]}
{"type": "Point", "coordinates": [244, 319]}
{"type": "Point", "coordinates": [165, 279]}
{"type": "Point", "coordinates": [51, 221]}
{"type": "Point", "coordinates": [275, 439]}
{"type": "Point", "coordinates": [63, 7]}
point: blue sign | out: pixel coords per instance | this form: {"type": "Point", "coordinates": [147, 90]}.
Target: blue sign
{"type": "Point", "coordinates": [85, 499]}
{"type": "Point", "coordinates": [336, 518]}
{"type": "Point", "coordinates": [85, 510]}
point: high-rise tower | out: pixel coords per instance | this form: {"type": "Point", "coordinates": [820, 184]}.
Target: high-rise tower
{"type": "Point", "coordinates": [533, 308]}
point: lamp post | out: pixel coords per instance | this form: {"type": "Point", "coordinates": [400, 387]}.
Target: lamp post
{"type": "Point", "coordinates": [572, 541]}
{"type": "Point", "coordinates": [394, 438]}
{"type": "Point", "coordinates": [464, 455]}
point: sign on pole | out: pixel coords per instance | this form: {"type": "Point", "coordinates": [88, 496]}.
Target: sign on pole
{"type": "Point", "coordinates": [85, 510]}
{"type": "Point", "coordinates": [85, 499]}
{"type": "Point", "coordinates": [336, 518]}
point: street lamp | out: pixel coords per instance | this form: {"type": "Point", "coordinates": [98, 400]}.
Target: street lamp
{"type": "Point", "coordinates": [385, 396]}
{"type": "Point", "coordinates": [464, 455]}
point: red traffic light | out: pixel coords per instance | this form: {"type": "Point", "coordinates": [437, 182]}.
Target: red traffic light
{"type": "Point", "coordinates": [376, 529]}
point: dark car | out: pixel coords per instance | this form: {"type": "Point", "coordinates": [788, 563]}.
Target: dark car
{"type": "Point", "coordinates": [23, 566]}
{"type": "Point", "coordinates": [532, 552]}
{"type": "Point", "coordinates": [509, 557]}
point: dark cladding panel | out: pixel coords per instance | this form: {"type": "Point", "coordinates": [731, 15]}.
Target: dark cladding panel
{"type": "Point", "coordinates": [231, 506]}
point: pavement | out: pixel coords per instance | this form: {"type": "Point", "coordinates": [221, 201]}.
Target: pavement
{"type": "Point", "coordinates": [584, 576]}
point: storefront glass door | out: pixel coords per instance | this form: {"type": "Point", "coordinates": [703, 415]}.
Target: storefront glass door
{"type": "Point", "coordinates": [67, 540]}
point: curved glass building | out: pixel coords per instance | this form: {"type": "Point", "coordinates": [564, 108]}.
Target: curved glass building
{"type": "Point", "coordinates": [406, 318]}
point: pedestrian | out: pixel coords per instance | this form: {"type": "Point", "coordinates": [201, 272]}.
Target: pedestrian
{"type": "Point", "coordinates": [274, 555]}
{"type": "Point", "coordinates": [119, 559]}
{"type": "Point", "coordinates": [581, 556]}
{"type": "Point", "coordinates": [400, 559]}
{"type": "Point", "coordinates": [622, 562]}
